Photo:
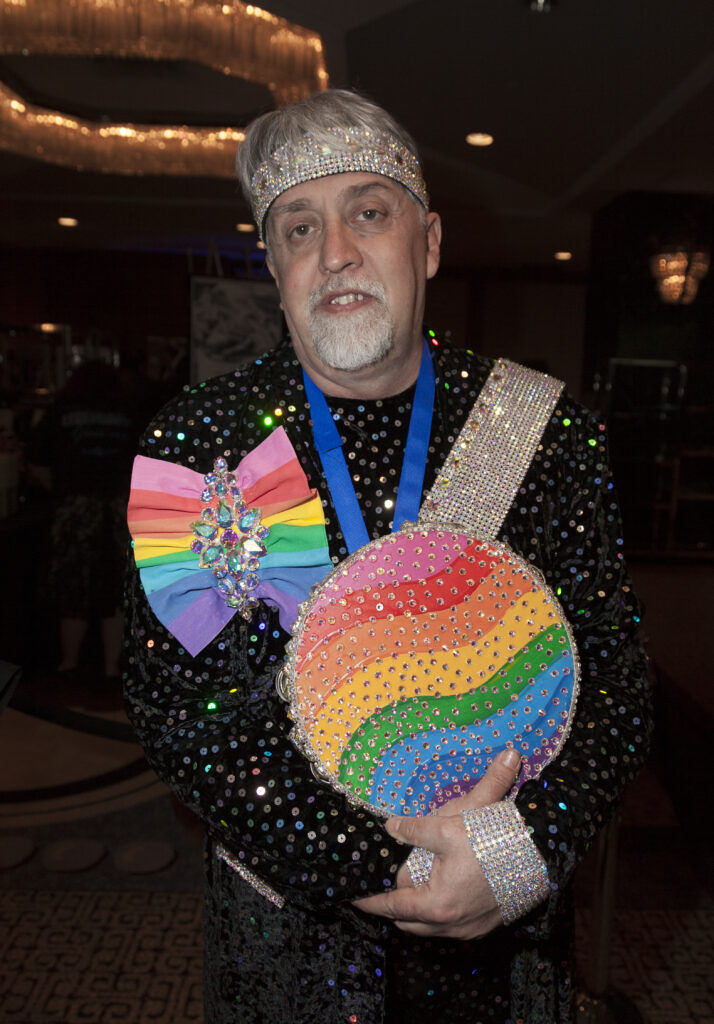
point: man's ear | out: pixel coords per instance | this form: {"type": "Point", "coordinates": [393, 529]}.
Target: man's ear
{"type": "Point", "coordinates": [269, 264]}
{"type": "Point", "coordinates": [433, 243]}
{"type": "Point", "coordinates": [273, 272]}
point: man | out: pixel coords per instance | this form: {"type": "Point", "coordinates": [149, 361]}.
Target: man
{"type": "Point", "coordinates": [301, 885]}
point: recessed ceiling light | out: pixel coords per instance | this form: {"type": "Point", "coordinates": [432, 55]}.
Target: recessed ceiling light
{"type": "Point", "coordinates": [245, 228]}
{"type": "Point", "coordinates": [67, 222]}
{"type": "Point", "coordinates": [563, 255]}
{"type": "Point", "coordinates": [479, 139]}
{"type": "Point", "coordinates": [49, 328]}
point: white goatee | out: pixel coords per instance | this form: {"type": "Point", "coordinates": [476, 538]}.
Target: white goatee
{"type": "Point", "coordinates": [351, 342]}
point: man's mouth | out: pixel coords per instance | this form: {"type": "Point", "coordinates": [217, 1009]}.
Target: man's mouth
{"type": "Point", "coordinates": [345, 300]}
{"type": "Point", "coordinates": [343, 297]}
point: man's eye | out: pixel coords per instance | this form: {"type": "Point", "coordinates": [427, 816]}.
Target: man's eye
{"type": "Point", "coordinates": [370, 214]}
{"type": "Point", "coordinates": [299, 231]}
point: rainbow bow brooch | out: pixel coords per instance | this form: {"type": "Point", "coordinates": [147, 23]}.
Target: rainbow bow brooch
{"type": "Point", "coordinates": [208, 547]}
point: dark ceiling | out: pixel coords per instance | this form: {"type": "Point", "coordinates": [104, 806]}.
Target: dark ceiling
{"type": "Point", "coordinates": [592, 100]}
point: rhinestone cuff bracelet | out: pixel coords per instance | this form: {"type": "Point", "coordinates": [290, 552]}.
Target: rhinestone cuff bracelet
{"type": "Point", "coordinates": [510, 859]}
{"type": "Point", "coordinates": [419, 863]}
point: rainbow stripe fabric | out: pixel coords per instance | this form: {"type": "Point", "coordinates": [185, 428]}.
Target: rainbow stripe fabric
{"type": "Point", "coordinates": [168, 500]}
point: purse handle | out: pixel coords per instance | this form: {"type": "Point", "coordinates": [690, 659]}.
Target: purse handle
{"type": "Point", "coordinates": [489, 459]}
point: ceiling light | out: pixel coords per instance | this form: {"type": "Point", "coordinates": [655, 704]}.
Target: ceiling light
{"type": "Point", "coordinates": [50, 328]}
{"type": "Point", "coordinates": [562, 256]}
{"type": "Point", "coordinates": [260, 245]}
{"type": "Point", "coordinates": [245, 228]}
{"type": "Point", "coordinates": [67, 222]}
{"type": "Point", "coordinates": [479, 139]}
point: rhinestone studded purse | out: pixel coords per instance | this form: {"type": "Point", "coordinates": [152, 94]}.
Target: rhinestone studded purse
{"type": "Point", "coordinates": [428, 651]}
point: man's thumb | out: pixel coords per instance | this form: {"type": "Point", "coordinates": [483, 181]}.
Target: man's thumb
{"type": "Point", "coordinates": [496, 782]}
{"type": "Point", "coordinates": [499, 777]}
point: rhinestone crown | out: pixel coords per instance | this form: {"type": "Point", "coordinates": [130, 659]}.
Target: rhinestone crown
{"type": "Point", "coordinates": [354, 149]}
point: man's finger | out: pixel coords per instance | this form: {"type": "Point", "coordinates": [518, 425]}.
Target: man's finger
{"type": "Point", "coordinates": [499, 777]}
{"type": "Point", "coordinates": [399, 904]}
{"type": "Point", "coordinates": [495, 784]}
{"type": "Point", "coordinates": [432, 833]}
{"type": "Point", "coordinates": [435, 834]}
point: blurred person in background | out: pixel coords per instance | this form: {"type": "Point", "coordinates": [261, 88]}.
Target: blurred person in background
{"type": "Point", "coordinates": [82, 450]}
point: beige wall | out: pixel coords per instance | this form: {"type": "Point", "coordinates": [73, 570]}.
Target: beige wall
{"type": "Point", "coordinates": [529, 321]}
{"type": "Point", "coordinates": [518, 319]}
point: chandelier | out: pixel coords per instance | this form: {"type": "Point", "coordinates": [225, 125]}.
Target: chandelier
{"type": "Point", "coordinates": [114, 148]}
{"type": "Point", "coordinates": [234, 38]}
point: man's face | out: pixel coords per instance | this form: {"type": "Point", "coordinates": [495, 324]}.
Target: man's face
{"type": "Point", "coordinates": [351, 254]}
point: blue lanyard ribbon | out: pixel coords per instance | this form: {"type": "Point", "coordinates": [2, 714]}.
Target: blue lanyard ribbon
{"type": "Point", "coordinates": [411, 481]}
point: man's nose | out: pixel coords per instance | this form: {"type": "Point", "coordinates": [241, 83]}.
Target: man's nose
{"type": "Point", "coordinates": [339, 249]}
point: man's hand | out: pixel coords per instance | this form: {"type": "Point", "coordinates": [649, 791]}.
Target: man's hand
{"type": "Point", "coordinates": [457, 901]}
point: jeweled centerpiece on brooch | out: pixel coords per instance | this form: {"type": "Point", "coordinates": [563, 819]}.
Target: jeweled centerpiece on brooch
{"type": "Point", "coordinates": [229, 538]}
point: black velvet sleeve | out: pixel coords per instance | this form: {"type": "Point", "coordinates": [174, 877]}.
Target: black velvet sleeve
{"type": "Point", "coordinates": [566, 521]}
{"type": "Point", "coordinates": [215, 731]}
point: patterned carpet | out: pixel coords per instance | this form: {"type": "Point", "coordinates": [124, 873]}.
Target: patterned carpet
{"type": "Point", "coordinates": [100, 958]}
{"type": "Point", "coordinates": [662, 962]}
{"type": "Point", "coordinates": [135, 957]}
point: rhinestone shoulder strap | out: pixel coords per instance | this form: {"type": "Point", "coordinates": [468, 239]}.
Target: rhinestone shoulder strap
{"type": "Point", "coordinates": [491, 455]}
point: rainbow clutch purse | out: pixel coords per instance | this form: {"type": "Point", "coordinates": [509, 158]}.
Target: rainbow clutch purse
{"type": "Point", "coordinates": [418, 659]}
{"type": "Point", "coordinates": [428, 651]}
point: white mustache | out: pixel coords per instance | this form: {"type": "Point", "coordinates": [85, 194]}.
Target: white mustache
{"type": "Point", "coordinates": [346, 284]}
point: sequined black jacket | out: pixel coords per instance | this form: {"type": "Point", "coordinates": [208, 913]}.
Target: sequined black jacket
{"type": "Point", "coordinates": [215, 730]}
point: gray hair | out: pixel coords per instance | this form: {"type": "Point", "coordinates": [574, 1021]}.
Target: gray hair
{"type": "Point", "coordinates": [318, 116]}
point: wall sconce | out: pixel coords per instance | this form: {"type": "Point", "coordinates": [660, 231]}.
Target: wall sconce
{"type": "Point", "coordinates": [678, 269]}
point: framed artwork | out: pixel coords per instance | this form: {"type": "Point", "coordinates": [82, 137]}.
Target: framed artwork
{"type": "Point", "coordinates": [232, 322]}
